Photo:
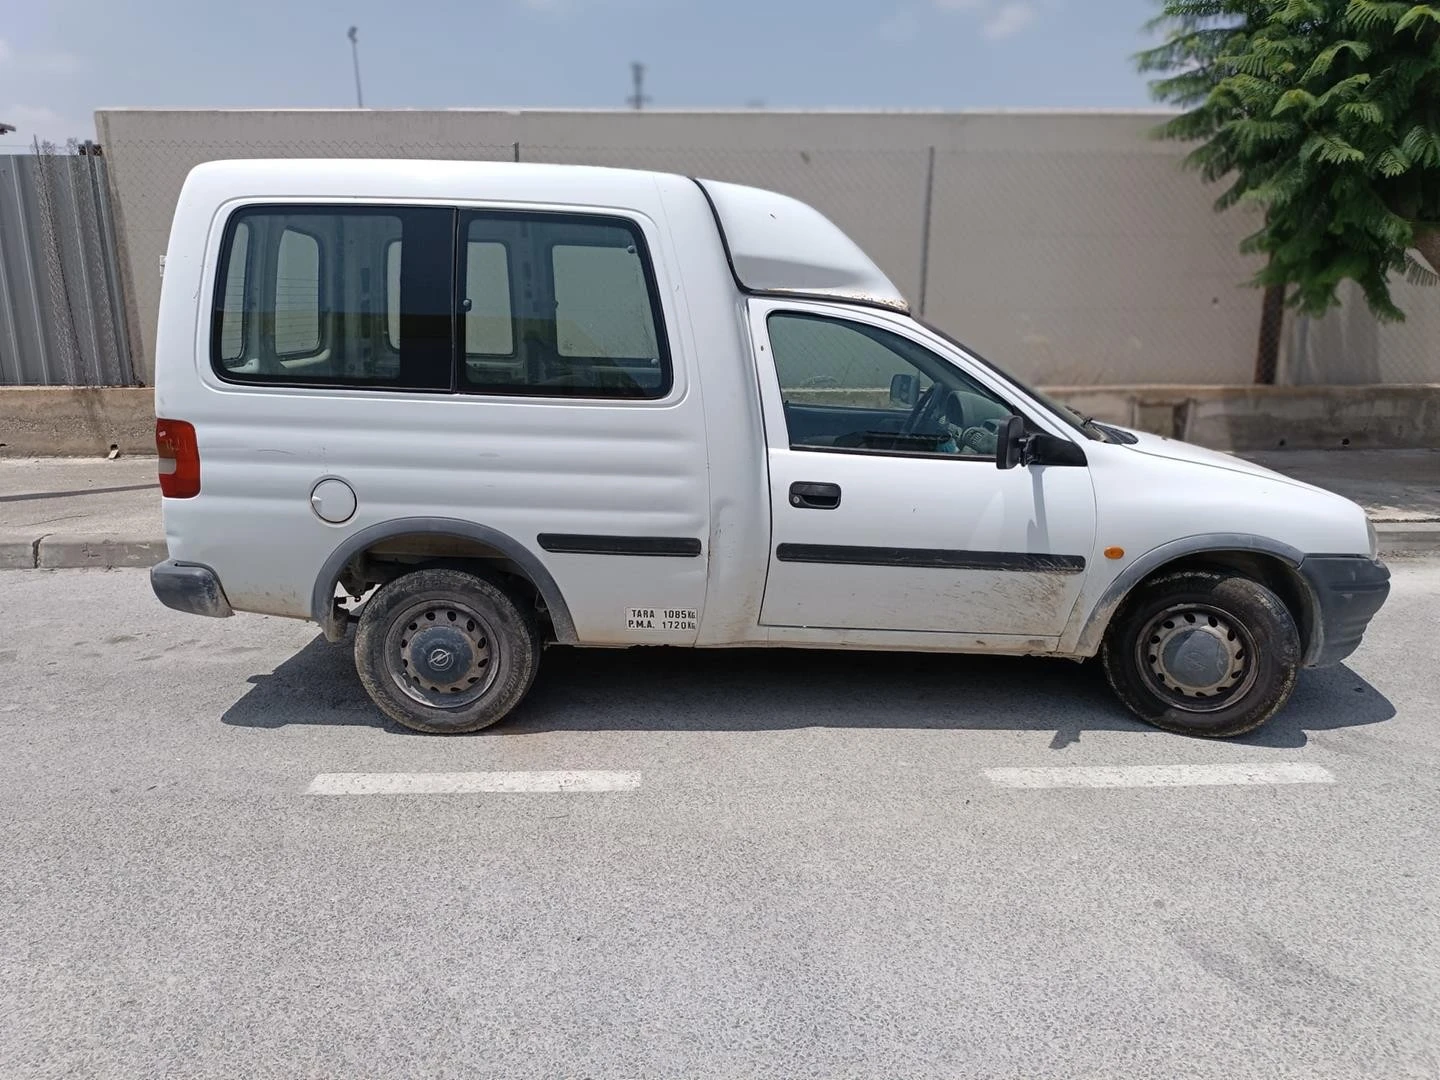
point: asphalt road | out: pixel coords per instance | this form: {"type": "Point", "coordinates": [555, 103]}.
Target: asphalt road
{"type": "Point", "coordinates": [814, 875]}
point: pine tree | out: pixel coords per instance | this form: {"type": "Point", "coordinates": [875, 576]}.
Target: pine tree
{"type": "Point", "coordinates": [1324, 113]}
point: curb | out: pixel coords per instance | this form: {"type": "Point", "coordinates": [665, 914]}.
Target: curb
{"type": "Point", "coordinates": [75, 552]}
{"type": "Point", "coordinates": [1408, 537]}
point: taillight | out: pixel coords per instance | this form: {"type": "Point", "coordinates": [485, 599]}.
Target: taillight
{"type": "Point", "coordinates": [179, 454]}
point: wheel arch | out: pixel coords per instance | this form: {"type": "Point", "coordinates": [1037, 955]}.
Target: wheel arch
{"type": "Point", "coordinates": [1271, 562]}
{"type": "Point", "coordinates": [322, 598]}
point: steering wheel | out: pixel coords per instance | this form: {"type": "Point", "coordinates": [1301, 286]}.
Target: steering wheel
{"type": "Point", "coordinates": [926, 409]}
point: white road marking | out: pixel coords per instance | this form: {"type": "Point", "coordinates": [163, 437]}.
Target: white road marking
{"type": "Point", "coordinates": [565, 781]}
{"type": "Point", "coordinates": [1113, 776]}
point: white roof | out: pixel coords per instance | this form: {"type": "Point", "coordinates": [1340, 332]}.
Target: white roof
{"type": "Point", "coordinates": [781, 245]}
{"type": "Point", "coordinates": [776, 244]}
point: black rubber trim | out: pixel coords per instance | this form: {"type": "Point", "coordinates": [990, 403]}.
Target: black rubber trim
{"type": "Point", "coordinates": [931, 558]}
{"type": "Point", "coordinates": [1092, 631]}
{"type": "Point", "coordinates": [191, 588]}
{"type": "Point", "coordinates": [1348, 590]}
{"type": "Point", "coordinates": [674, 547]}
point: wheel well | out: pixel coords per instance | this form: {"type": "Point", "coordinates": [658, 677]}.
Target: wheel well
{"type": "Point", "coordinates": [381, 553]}
{"type": "Point", "coordinates": [394, 556]}
{"type": "Point", "coordinates": [1269, 570]}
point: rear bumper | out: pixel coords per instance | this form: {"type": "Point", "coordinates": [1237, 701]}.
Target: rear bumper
{"type": "Point", "coordinates": [1348, 590]}
{"type": "Point", "coordinates": [191, 588]}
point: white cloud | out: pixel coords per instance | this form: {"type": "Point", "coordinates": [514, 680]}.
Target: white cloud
{"type": "Point", "coordinates": [1008, 19]}
{"type": "Point", "coordinates": [43, 123]}
{"type": "Point", "coordinates": [51, 63]}
{"type": "Point", "coordinates": [42, 72]}
{"type": "Point", "coordinates": [45, 62]}
{"type": "Point", "coordinates": [998, 18]}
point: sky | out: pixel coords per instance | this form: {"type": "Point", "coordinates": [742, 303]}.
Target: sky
{"type": "Point", "coordinates": [62, 59]}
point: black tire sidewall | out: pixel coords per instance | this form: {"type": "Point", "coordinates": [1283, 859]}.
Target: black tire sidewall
{"type": "Point", "coordinates": [518, 659]}
{"type": "Point", "coordinates": [1276, 653]}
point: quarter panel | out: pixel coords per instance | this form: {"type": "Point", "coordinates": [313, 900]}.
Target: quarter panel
{"type": "Point", "coordinates": [519, 466]}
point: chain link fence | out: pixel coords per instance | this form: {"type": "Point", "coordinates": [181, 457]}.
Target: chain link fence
{"type": "Point", "coordinates": [1073, 250]}
{"type": "Point", "coordinates": [61, 306]}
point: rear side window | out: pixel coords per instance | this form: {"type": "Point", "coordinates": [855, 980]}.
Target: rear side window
{"type": "Point", "coordinates": [230, 347]}
{"type": "Point", "coordinates": [297, 295]}
{"type": "Point", "coordinates": [601, 304]}
{"type": "Point", "coordinates": [488, 307]}
{"type": "Point", "coordinates": [322, 296]}
{"type": "Point", "coordinates": [559, 305]}
{"type": "Point", "coordinates": [419, 298]}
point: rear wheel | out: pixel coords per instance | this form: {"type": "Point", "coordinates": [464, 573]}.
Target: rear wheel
{"type": "Point", "coordinates": [445, 652]}
{"type": "Point", "coordinates": [1203, 653]}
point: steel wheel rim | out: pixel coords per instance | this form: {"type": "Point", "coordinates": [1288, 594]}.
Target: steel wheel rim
{"type": "Point", "coordinates": [1197, 658]}
{"type": "Point", "coordinates": [442, 653]}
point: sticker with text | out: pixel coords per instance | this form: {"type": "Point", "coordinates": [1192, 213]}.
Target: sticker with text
{"type": "Point", "coordinates": [650, 618]}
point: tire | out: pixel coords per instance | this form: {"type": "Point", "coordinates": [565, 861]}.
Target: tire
{"type": "Point", "coordinates": [1219, 658]}
{"type": "Point", "coordinates": [445, 652]}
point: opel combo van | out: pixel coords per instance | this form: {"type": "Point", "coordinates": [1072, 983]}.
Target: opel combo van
{"type": "Point", "coordinates": [472, 409]}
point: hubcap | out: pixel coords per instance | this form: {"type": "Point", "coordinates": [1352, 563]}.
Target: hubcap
{"type": "Point", "coordinates": [441, 653]}
{"type": "Point", "coordinates": [1198, 658]}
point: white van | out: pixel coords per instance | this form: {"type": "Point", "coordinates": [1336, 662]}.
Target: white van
{"type": "Point", "coordinates": [476, 408]}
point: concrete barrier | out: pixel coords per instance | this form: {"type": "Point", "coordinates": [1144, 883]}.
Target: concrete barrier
{"type": "Point", "coordinates": [84, 421]}
{"type": "Point", "coordinates": [1249, 418]}
{"type": "Point", "coordinates": [76, 421]}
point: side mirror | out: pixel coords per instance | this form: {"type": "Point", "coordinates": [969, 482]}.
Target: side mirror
{"type": "Point", "coordinates": [904, 390]}
{"type": "Point", "coordinates": [1010, 443]}
{"type": "Point", "coordinates": [1042, 449]}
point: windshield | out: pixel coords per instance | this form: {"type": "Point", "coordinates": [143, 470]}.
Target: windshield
{"type": "Point", "coordinates": [1064, 413]}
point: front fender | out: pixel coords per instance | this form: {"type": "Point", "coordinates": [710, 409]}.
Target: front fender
{"type": "Point", "coordinates": [1087, 626]}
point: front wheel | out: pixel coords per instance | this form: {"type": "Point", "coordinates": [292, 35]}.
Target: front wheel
{"type": "Point", "coordinates": [445, 652]}
{"type": "Point", "coordinates": [1203, 653]}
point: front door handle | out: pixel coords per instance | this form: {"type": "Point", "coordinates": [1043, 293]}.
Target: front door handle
{"type": "Point", "coordinates": [809, 496]}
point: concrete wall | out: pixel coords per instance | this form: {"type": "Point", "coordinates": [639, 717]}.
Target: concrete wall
{"type": "Point", "coordinates": [1349, 347]}
{"type": "Point", "coordinates": [1248, 418]}
{"type": "Point", "coordinates": [89, 422]}
{"type": "Point", "coordinates": [73, 421]}
{"type": "Point", "coordinates": [1071, 248]}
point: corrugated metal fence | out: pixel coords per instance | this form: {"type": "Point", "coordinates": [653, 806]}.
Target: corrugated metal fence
{"type": "Point", "coordinates": [61, 305]}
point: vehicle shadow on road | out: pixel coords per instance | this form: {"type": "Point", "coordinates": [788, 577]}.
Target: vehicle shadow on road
{"type": "Point", "coordinates": [660, 689]}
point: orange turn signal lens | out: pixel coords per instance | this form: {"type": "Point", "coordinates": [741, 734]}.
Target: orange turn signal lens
{"type": "Point", "coordinates": [1114, 553]}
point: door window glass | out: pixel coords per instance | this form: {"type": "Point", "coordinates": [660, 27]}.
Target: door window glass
{"type": "Point", "coordinates": [855, 387]}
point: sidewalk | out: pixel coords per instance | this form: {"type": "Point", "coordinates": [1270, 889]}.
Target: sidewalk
{"type": "Point", "coordinates": [63, 512]}
{"type": "Point", "coordinates": [67, 512]}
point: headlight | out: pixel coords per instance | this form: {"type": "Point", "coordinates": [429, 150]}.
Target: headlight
{"type": "Point", "coordinates": [1374, 538]}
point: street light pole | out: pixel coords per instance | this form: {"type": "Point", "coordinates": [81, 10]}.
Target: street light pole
{"type": "Point", "coordinates": [354, 35]}
{"type": "Point", "coordinates": [639, 98]}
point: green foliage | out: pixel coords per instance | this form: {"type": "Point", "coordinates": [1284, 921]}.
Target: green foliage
{"type": "Point", "coordinates": [1325, 114]}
